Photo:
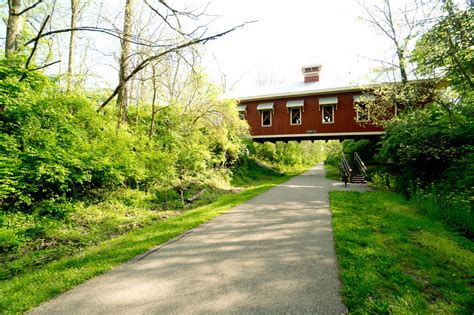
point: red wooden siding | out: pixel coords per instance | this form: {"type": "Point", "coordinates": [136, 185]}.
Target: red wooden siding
{"type": "Point", "coordinates": [344, 117]}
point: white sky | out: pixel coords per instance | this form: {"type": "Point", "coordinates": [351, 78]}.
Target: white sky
{"type": "Point", "coordinates": [290, 34]}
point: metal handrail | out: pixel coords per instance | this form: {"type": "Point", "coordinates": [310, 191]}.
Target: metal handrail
{"type": "Point", "coordinates": [360, 164]}
{"type": "Point", "coordinates": [345, 169]}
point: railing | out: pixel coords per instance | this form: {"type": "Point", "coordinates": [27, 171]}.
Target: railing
{"type": "Point", "coordinates": [360, 164]}
{"type": "Point", "coordinates": [345, 169]}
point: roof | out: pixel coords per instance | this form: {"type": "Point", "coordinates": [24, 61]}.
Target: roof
{"type": "Point", "coordinates": [290, 89]}
{"type": "Point", "coordinates": [300, 88]}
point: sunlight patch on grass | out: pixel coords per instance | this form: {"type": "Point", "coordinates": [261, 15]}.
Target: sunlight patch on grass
{"type": "Point", "coordinates": [392, 259]}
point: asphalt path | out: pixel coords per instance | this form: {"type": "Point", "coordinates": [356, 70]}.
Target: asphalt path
{"type": "Point", "coordinates": [270, 255]}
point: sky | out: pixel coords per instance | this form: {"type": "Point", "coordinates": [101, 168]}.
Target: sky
{"type": "Point", "coordinates": [288, 35]}
{"type": "Point", "coordinates": [285, 36]}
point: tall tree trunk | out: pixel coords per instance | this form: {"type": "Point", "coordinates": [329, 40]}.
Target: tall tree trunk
{"type": "Point", "coordinates": [153, 104]}
{"type": "Point", "coordinates": [72, 44]}
{"type": "Point", "coordinates": [122, 97]}
{"type": "Point", "coordinates": [402, 64]}
{"type": "Point", "coordinates": [13, 27]}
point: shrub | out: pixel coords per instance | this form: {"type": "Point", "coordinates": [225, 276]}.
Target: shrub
{"type": "Point", "coordinates": [366, 149]}
{"type": "Point", "coordinates": [333, 150]}
{"type": "Point", "coordinates": [432, 158]}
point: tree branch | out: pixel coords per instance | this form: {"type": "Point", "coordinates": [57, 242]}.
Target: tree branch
{"type": "Point", "coordinates": [110, 32]}
{"type": "Point", "coordinates": [23, 76]}
{"type": "Point", "coordinates": [30, 7]}
{"type": "Point", "coordinates": [164, 18]}
{"type": "Point", "coordinates": [145, 62]}
{"type": "Point", "coordinates": [45, 66]}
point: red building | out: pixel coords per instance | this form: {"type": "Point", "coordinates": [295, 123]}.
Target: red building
{"type": "Point", "coordinates": [307, 110]}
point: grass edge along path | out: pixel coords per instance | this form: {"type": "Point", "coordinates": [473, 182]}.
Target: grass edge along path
{"type": "Point", "coordinates": [392, 259]}
{"type": "Point", "coordinates": [24, 292]}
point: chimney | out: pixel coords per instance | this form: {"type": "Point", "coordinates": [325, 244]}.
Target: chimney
{"type": "Point", "coordinates": [311, 73]}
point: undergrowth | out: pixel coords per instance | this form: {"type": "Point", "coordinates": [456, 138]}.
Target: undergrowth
{"type": "Point", "coordinates": [48, 255]}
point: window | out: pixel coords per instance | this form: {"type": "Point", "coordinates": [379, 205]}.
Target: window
{"type": "Point", "coordinates": [361, 106]}
{"type": "Point", "coordinates": [266, 118]}
{"type": "Point", "coordinates": [266, 110]}
{"type": "Point", "coordinates": [328, 114]}
{"type": "Point", "coordinates": [295, 109]}
{"type": "Point", "coordinates": [362, 112]}
{"type": "Point", "coordinates": [295, 116]}
{"type": "Point", "coordinates": [327, 105]}
{"type": "Point", "coordinates": [242, 111]}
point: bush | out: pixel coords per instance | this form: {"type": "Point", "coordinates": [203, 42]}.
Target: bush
{"type": "Point", "coordinates": [8, 240]}
{"type": "Point", "coordinates": [366, 149]}
{"type": "Point", "coordinates": [288, 153]}
{"type": "Point", "coordinates": [55, 147]}
{"type": "Point", "coordinates": [432, 159]}
{"type": "Point", "coordinates": [333, 150]}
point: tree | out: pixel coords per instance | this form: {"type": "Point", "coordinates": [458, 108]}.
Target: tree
{"type": "Point", "coordinates": [72, 42]}
{"type": "Point", "coordinates": [400, 26]}
{"type": "Point", "coordinates": [13, 27]}
{"type": "Point", "coordinates": [169, 30]}
{"type": "Point", "coordinates": [430, 149]}
{"type": "Point", "coordinates": [13, 31]}
{"type": "Point", "coordinates": [125, 55]}
{"type": "Point", "coordinates": [447, 47]}
{"type": "Point", "coordinates": [383, 102]}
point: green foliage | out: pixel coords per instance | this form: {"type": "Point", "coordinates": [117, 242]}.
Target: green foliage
{"type": "Point", "coordinates": [392, 260]}
{"type": "Point", "coordinates": [428, 153]}
{"type": "Point", "coordinates": [433, 161]}
{"type": "Point", "coordinates": [364, 147]}
{"type": "Point", "coordinates": [332, 172]}
{"type": "Point", "coordinates": [423, 144]}
{"type": "Point", "coordinates": [384, 101]}
{"type": "Point", "coordinates": [248, 171]}
{"type": "Point", "coordinates": [55, 147]}
{"type": "Point", "coordinates": [447, 46]}
{"type": "Point", "coordinates": [69, 179]}
{"type": "Point", "coordinates": [291, 153]}
{"type": "Point", "coordinates": [333, 150]}
{"type": "Point", "coordinates": [12, 91]}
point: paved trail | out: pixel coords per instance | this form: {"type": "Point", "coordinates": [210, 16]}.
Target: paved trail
{"type": "Point", "coordinates": [272, 254]}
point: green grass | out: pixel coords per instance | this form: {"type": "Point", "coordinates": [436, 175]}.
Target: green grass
{"type": "Point", "coordinates": [29, 288]}
{"type": "Point", "coordinates": [248, 173]}
{"type": "Point", "coordinates": [332, 172]}
{"type": "Point", "coordinates": [392, 259]}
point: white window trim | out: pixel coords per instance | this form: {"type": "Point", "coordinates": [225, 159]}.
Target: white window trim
{"type": "Point", "coordinates": [271, 118]}
{"type": "Point", "coordinates": [322, 114]}
{"type": "Point", "coordinates": [291, 115]}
